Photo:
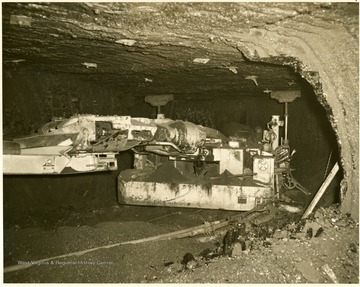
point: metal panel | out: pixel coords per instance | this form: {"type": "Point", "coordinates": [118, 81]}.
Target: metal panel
{"type": "Point", "coordinates": [31, 164]}
{"type": "Point", "coordinates": [191, 195]}
{"type": "Point", "coordinates": [230, 159]}
{"type": "Point", "coordinates": [263, 167]}
{"type": "Point", "coordinates": [52, 164]}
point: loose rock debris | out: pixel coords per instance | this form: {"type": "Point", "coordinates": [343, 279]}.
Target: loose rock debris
{"type": "Point", "coordinates": [244, 239]}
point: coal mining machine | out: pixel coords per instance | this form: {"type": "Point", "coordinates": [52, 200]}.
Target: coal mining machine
{"type": "Point", "coordinates": [176, 163]}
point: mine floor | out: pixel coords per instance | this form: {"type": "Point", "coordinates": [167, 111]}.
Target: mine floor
{"type": "Point", "coordinates": [280, 254]}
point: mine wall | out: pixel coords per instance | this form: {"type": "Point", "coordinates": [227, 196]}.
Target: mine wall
{"type": "Point", "coordinates": [313, 49]}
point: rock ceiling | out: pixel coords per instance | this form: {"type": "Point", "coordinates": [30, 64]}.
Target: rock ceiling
{"type": "Point", "coordinates": [188, 49]}
{"type": "Point", "coordinates": [141, 48]}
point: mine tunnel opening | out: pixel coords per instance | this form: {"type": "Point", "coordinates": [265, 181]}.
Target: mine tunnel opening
{"type": "Point", "coordinates": [103, 59]}
{"type": "Point", "coordinates": [319, 146]}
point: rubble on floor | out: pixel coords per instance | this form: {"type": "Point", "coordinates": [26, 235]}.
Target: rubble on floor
{"type": "Point", "coordinates": [269, 245]}
{"type": "Point", "coordinates": [315, 249]}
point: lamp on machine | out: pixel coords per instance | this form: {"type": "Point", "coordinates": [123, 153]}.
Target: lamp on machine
{"type": "Point", "coordinates": [159, 101]}
{"type": "Point", "coordinates": [285, 97]}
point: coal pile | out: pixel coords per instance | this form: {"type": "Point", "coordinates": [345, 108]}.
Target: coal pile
{"type": "Point", "coordinates": [167, 173]}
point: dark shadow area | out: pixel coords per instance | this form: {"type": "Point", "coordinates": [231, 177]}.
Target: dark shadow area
{"type": "Point", "coordinates": [46, 199]}
{"type": "Point", "coordinates": [314, 140]}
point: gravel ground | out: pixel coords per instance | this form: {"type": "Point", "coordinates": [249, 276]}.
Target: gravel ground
{"type": "Point", "coordinates": [283, 255]}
